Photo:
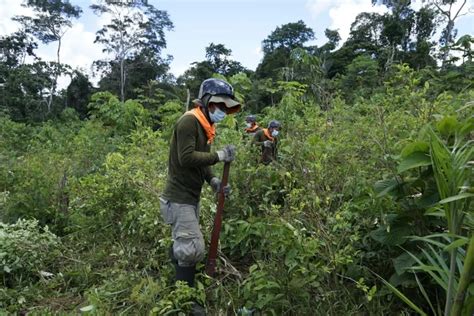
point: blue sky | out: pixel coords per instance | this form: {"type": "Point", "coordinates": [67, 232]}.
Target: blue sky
{"type": "Point", "coordinates": [239, 25]}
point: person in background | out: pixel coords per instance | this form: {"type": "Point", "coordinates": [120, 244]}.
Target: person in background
{"type": "Point", "coordinates": [267, 138]}
{"type": "Point", "coordinates": [189, 166]}
{"type": "Point", "coordinates": [251, 125]}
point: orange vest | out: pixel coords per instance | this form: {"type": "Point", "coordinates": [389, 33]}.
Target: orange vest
{"type": "Point", "coordinates": [209, 128]}
{"type": "Point", "coordinates": [267, 133]}
{"type": "Point", "coordinates": [251, 129]}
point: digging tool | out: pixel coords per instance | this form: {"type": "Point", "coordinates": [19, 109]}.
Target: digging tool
{"type": "Point", "coordinates": [216, 230]}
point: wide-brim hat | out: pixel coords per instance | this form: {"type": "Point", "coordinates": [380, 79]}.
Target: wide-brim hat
{"type": "Point", "coordinates": [232, 105]}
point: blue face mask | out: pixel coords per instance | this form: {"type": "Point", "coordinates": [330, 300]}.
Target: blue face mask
{"type": "Point", "coordinates": [274, 133]}
{"type": "Point", "coordinates": [217, 116]}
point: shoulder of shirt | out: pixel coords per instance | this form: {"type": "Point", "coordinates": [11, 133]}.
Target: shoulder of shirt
{"type": "Point", "coordinates": [187, 118]}
{"type": "Point", "coordinates": [187, 123]}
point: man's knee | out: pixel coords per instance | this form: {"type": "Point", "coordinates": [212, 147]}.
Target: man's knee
{"type": "Point", "coordinates": [188, 247]}
{"type": "Point", "coordinates": [188, 250]}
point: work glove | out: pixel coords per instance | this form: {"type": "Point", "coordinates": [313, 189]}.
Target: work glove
{"type": "Point", "coordinates": [227, 154]}
{"type": "Point", "coordinates": [268, 143]}
{"type": "Point", "coordinates": [216, 185]}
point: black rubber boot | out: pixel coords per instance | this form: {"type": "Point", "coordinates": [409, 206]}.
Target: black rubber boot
{"type": "Point", "coordinates": [186, 274]}
{"type": "Point", "coordinates": [197, 310]}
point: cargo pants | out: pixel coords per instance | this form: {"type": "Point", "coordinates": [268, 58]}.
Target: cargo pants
{"type": "Point", "coordinates": [188, 242]}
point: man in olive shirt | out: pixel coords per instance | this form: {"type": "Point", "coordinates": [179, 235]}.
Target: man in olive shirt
{"type": "Point", "coordinates": [268, 140]}
{"type": "Point", "coordinates": [189, 165]}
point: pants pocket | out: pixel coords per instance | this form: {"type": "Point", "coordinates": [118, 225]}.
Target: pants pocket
{"type": "Point", "coordinates": [188, 250]}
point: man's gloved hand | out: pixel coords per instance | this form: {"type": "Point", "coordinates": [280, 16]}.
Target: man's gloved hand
{"type": "Point", "coordinates": [227, 154]}
{"type": "Point", "coordinates": [268, 143]}
{"type": "Point", "coordinates": [216, 185]}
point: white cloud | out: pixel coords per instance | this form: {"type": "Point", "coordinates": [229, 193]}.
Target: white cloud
{"type": "Point", "coordinates": [77, 50]}
{"type": "Point", "coordinates": [178, 70]}
{"type": "Point", "coordinates": [316, 7]}
{"type": "Point", "coordinates": [344, 12]}
{"type": "Point", "coordinates": [10, 8]}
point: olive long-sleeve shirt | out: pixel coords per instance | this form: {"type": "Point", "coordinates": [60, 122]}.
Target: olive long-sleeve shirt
{"type": "Point", "coordinates": [189, 162]}
{"type": "Point", "coordinates": [268, 153]}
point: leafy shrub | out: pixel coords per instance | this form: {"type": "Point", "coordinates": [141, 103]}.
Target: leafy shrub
{"type": "Point", "coordinates": [122, 116]}
{"type": "Point", "coordinates": [179, 300]}
{"type": "Point", "coordinates": [126, 190]}
{"type": "Point", "coordinates": [434, 178]}
{"type": "Point", "coordinates": [25, 250]}
{"type": "Point", "coordinates": [299, 235]}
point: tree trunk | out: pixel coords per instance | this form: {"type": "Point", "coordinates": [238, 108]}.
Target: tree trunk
{"type": "Point", "coordinates": [63, 195]}
{"type": "Point", "coordinates": [188, 98]}
{"type": "Point", "coordinates": [447, 39]}
{"type": "Point", "coordinates": [122, 80]}
{"type": "Point", "coordinates": [389, 61]}
{"type": "Point", "coordinates": [448, 36]}
{"type": "Point", "coordinates": [56, 75]}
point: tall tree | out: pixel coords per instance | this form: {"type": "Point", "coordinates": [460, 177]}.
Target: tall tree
{"type": "Point", "coordinates": [22, 85]}
{"type": "Point", "coordinates": [425, 27]}
{"type": "Point", "coordinates": [289, 36]}
{"type": "Point", "coordinates": [135, 27]}
{"type": "Point", "coordinates": [22, 90]}
{"type": "Point", "coordinates": [140, 69]}
{"type": "Point", "coordinates": [278, 46]}
{"type": "Point", "coordinates": [78, 93]}
{"type": "Point", "coordinates": [217, 61]}
{"type": "Point", "coordinates": [51, 20]}
{"type": "Point", "coordinates": [448, 10]}
{"type": "Point", "coordinates": [15, 47]}
{"type": "Point", "coordinates": [333, 39]}
{"type": "Point", "coordinates": [465, 45]}
{"type": "Point", "coordinates": [308, 69]}
{"type": "Point", "coordinates": [365, 38]}
{"type": "Point", "coordinates": [397, 30]}
{"type": "Point", "coordinates": [193, 76]}
{"type": "Point", "coordinates": [218, 57]}
{"type": "Point", "coordinates": [325, 52]}
{"type": "Point", "coordinates": [450, 14]}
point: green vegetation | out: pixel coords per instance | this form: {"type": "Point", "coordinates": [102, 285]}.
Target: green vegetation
{"type": "Point", "coordinates": [367, 211]}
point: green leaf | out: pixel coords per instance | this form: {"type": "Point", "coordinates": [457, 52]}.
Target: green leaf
{"type": "Point", "coordinates": [402, 263]}
{"type": "Point", "coordinates": [414, 160]}
{"type": "Point", "coordinates": [392, 237]}
{"type": "Point", "coordinates": [437, 265]}
{"type": "Point", "coordinates": [467, 126]}
{"type": "Point", "coordinates": [423, 292]}
{"type": "Point", "coordinates": [456, 244]}
{"type": "Point", "coordinates": [447, 125]}
{"type": "Point", "coordinates": [417, 146]}
{"type": "Point", "coordinates": [461, 196]}
{"type": "Point", "coordinates": [87, 308]}
{"type": "Point", "coordinates": [401, 296]}
{"type": "Point", "coordinates": [385, 186]}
